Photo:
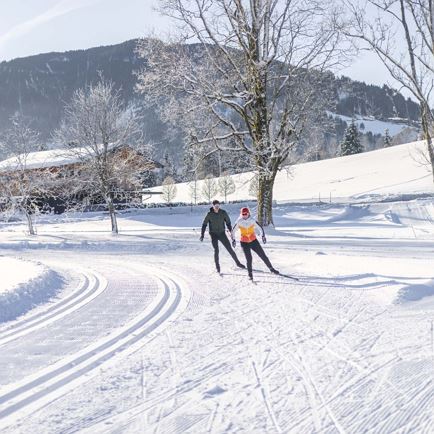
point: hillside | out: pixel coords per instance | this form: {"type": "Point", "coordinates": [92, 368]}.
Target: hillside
{"type": "Point", "coordinates": [38, 87]}
{"type": "Point", "coordinates": [393, 171]}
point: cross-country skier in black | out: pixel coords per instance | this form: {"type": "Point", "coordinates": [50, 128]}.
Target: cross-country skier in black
{"type": "Point", "coordinates": [216, 219]}
{"type": "Point", "coordinates": [249, 228]}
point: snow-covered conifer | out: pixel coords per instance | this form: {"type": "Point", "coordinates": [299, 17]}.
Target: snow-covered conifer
{"type": "Point", "coordinates": [351, 143]}
{"type": "Point", "coordinates": [387, 139]}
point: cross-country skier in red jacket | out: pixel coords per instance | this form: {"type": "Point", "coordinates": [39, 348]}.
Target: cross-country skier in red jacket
{"type": "Point", "coordinates": [249, 228]}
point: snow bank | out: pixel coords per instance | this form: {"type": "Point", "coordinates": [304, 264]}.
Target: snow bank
{"type": "Point", "coordinates": [24, 285]}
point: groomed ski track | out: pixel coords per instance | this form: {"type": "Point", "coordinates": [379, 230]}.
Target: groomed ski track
{"type": "Point", "coordinates": [145, 345]}
{"type": "Point", "coordinates": [164, 298]}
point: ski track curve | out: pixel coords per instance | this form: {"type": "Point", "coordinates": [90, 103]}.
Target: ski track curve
{"type": "Point", "coordinates": [20, 399]}
{"type": "Point", "coordinates": [93, 285]}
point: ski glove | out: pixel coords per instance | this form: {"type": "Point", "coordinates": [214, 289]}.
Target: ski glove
{"type": "Point", "coordinates": [264, 240]}
{"type": "Point", "coordinates": [234, 243]}
{"type": "Point", "coordinates": [201, 238]}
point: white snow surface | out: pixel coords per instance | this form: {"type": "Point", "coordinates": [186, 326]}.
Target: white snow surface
{"type": "Point", "coordinates": [386, 172]}
{"type": "Point", "coordinates": [24, 285]}
{"type": "Point", "coordinates": [143, 336]}
{"type": "Point", "coordinates": [16, 273]}
{"type": "Point", "coordinates": [373, 125]}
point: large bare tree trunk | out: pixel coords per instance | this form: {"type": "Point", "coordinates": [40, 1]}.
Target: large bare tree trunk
{"type": "Point", "coordinates": [29, 222]}
{"type": "Point", "coordinates": [252, 88]}
{"type": "Point", "coordinates": [431, 154]}
{"type": "Point", "coordinates": [265, 195]}
{"type": "Point", "coordinates": [112, 212]}
{"type": "Point", "coordinates": [265, 200]}
{"type": "Point", "coordinates": [425, 118]}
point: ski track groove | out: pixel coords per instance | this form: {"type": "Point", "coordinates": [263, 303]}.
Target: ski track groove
{"type": "Point", "coordinates": [158, 400]}
{"type": "Point", "coordinates": [266, 400]}
{"type": "Point", "coordinates": [94, 285]}
{"type": "Point", "coordinates": [58, 378]}
{"type": "Point", "coordinates": [421, 395]}
{"type": "Point", "coordinates": [367, 374]}
{"type": "Point", "coordinates": [386, 419]}
{"type": "Point", "coordinates": [325, 403]}
{"type": "Point", "coordinates": [346, 358]}
{"type": "Point", "coordinates": [313, 409]}
{"type": "Point", "coordinates": [83, 283]}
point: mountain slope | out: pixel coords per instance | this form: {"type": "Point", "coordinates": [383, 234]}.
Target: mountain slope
{"type": "Point", "coordinates": [38, 87]}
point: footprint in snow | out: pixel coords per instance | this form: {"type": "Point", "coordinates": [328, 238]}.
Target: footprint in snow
{"type": "Point", "coordinates": [217, 390]}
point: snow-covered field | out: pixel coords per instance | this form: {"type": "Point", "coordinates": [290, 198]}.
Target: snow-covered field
{"type": "Point", "coordinates": [372, 175]}
{"type": "Point", "coordinates": [142, 336]}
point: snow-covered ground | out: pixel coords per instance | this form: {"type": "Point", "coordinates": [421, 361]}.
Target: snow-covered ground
{"type": "Point", "coordinates": [371, 175]}
{"type": "Point", "coordinates": [143, 336]}
{"type": "Point", "coordinates": [369, 123]}
{"type": "Point", "coordinates": [17, 273]}
{"type": "Point", "coordinates": [24, 285]}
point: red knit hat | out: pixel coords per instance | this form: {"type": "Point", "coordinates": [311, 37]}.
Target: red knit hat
{"type": "Point", "coordinates": [245, 211]}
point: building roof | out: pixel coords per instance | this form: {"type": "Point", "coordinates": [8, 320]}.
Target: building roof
{"type": "Point", "coordinates": [45, 159]}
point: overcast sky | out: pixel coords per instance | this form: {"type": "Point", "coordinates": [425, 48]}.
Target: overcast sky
{"type": "Point", "coordinates": [37, 26]}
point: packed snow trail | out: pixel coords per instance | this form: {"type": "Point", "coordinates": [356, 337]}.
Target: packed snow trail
{"type": "Point", "coordinates": [348, 348]}
{"type": "Point", "coordinates": [91, 286]}
{"type": "Point", "coordinates": [153, 304]}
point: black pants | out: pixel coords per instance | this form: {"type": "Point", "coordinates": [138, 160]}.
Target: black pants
{"type": "Point", "coordinates": [256, 247]}
{"type": "Point", "coordinates": [221, 236]}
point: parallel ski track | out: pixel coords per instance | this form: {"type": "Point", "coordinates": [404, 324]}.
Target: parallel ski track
{"type": "Point", "coordinates": [93, 285]}
{"type": "Point", "coordinates": [49, 384]}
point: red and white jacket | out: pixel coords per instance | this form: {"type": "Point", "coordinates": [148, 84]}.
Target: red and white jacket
{"type": "Point", "coordinates": [248, 228]}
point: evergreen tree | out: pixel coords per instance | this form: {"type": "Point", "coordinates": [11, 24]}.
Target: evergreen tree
{"type": "Point", "coordinates": [387, 139]}
{"type": "Point", "coordinates": [351, 144]}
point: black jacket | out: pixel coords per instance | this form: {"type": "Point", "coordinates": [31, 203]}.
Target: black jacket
{"type": "Point", "coordinates": [216, 221]}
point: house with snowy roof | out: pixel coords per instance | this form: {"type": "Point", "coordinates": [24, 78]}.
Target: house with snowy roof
{"type": "Point", "coordinates": [59, 178]}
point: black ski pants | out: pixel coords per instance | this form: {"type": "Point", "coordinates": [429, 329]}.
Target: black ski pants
{"type": "Point", "coordinates": [221, 236]}
{"type": "Point", "coordinates": [256, 247]}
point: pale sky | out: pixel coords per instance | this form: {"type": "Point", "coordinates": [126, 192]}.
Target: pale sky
{"type": "Point", "coordinates": [30, 27]}
{"type": "Point", "coordinates": [38, 26]}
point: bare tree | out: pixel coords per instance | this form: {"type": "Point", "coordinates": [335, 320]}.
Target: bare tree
{"type": "Point", "coordinates": [401, 33]}
{"type": "Point", "coordinates": [193, 188]}
{"type": "Point", "coordinates": [209, 188]}
{"type": "Point", "coordinates": [169, 189]}
{"type": "Point", "coordinates": [251, 84]}
{"type": "Point", "coordinates": [97, 126]}
{"type": "Point", "coordinates": [226, 185]}
{"type": "Point", "coordinates": [21, 185]}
